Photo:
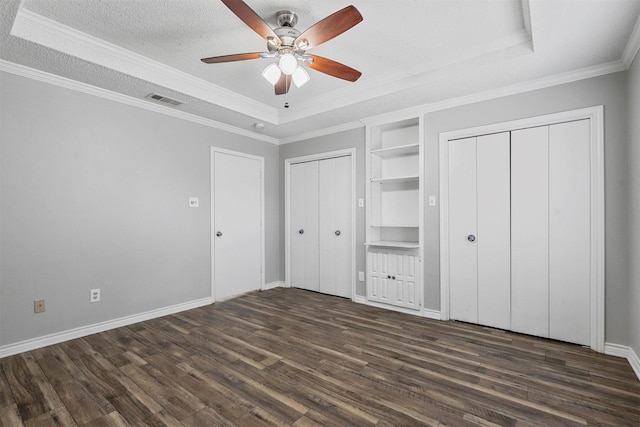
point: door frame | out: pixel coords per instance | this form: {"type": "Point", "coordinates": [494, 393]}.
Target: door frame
{"type": "Point", "coordinates": [597, 282]}
{"type": "Point", "coordinates": [260, 160]}
{"type": "Point", "coordinates": [351, 152]}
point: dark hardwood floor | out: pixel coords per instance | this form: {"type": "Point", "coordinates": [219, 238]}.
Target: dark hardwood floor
{"type": "Point", "coordinates": [292, 357]}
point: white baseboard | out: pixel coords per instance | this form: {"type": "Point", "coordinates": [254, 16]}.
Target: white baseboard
{"type": "Point", "coordinates": [83, 331]}
{"type": "Point", "coordinates": [626, 352]}
{"type": "Point", "coordinates": [273, 285]}
{"type": "Point", "coordinates": [431, 314]}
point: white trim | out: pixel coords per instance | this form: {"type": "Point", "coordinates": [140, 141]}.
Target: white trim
{"type": "Point", "coordinates": [47, 32]}
{"type": "Point", "coordinates": [260, 159]}
{"type": "Point", "coordinates": [431, 314]}
{"type": "Point", "coordinates": [351, 152]}
{"type": "Point", "coordinates": [274, 285]}
{"type": "Point", "coordinates": [66, 83]}
{"type": "Point", "coordinates": [322, 132]}
{"type": "Point", "coordinates": [597, 286]}
{"type": "Point", "coordinates": [83, 331]}
{"type": "Point", "coordinates": [419, 312]}
{"type": "Point", "coordinates": [625, 352]}
{"type": "Point", "coordinates": [633, 44]}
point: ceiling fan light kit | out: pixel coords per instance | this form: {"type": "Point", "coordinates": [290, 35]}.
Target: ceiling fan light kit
{"type": "Point", "coordinates": [290, 45]}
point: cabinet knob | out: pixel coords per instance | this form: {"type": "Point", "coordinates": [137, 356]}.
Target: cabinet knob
{"type": "Point", "coordinates": [219, 234]}
{"type": "Point", "coordinates": [301, 231]}
{"type": "Point", "coordinates": [388, 276]}
{"type": "Point", "coordinates": [337, 232]}
{"type": "Point", "coordinates": [471, 238]}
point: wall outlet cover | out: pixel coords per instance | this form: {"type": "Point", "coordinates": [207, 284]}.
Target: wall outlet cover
{"type": "Point", "coordinates": [95, 295]}
{"type": "Point", "coordinates": [194, 202]}
{"type": "Point", "coordinates": [38, 306]}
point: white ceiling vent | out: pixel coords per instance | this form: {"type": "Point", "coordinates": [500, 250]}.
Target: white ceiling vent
{"type": "Point", "coordinates": [164, 99]}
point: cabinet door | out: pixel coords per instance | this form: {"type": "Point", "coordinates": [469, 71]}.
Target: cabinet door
{"type": "Point", "coordinates": [406, 274]}
{"type": "Point", "coordinates": [335, 226]}
{"type": "Point", "coordinates": [530, 231]}
{"type": "Point", "coordinates": [303, 196]}
{"type": "Point", "coordinates": [463, 254]}
{"type": "Point", "coordinates": [569, 236]}
{"type": "Point", "coordinates": [379, 266]}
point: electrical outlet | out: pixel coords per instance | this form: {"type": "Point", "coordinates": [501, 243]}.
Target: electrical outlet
{"type": "Point", "coordinates": [194, 202]}
{"type": "Point", "coordinates": [38, 306]}
{"type": "Point", "coordinates": [361, 276]}
{"type": "Point", "coordinates": [95, 295]}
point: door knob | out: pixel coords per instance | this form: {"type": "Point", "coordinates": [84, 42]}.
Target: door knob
{"type": "Point", "coordinates": [219, 234]}
{"type": "Point", "coordinates": [471, 238]}
{"type": "Point", "coordinates": [337, 232]}
{"type": "Point", "coordinates": [301, 231]}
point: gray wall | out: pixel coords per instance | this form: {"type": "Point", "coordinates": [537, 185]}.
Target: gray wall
{"type": "Point", "coordinates": [94, 195]}
{"type": "Point", "coordinates": [609, 90]}
{"type": "Point", "coordinates": [340, 141]}
{"type": "Point", "coordinates": [634, 205]}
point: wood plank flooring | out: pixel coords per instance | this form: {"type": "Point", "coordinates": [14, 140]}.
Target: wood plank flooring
{"type": "Point", "coordinates": [298, 358]}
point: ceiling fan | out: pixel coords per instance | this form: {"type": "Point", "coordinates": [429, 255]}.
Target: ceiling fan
{"type": "Point", "coordinates": [290, 45]}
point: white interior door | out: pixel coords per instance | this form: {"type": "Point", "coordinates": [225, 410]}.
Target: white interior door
{"type": "Point", "coordinates": [463, 254]}
{"type": "Point", "coordinates": [237, 217]}
{"type": "Point", "coordinates": [494, 230]}
{"type": "Point", "coordinates": [530, 231]}
{"type": "Point", "coordinates": [335, 226]}
{"type": "Point", "coordinates": [303, 202]}
{"type": "Point", "coordinates": [569, 237]}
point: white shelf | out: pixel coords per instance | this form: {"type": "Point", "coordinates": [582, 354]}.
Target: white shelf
{"type": "Point", "coordinates": [396, 225]}
{"type": "Point", "coordinates": [394, 244]}
{"type": "Point", "coordinates": [396, 179]}
{"type": "Point", "coordinates": [401, 150]}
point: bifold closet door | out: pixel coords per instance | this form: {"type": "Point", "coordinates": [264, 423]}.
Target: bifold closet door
{"type": "Point", "coordinates": [335, 226]}
{"type": "Point", "coordinates": [530, 231]}
{"type": "Point", "coordinates": [479, 230]}
{"type": "Point", "coordinates": [303, 196]}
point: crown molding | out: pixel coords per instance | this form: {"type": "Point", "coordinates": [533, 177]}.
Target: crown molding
{"type": "Point", "coordinates": [66, 83]}
{"type": "Point", "coordinates": [47, 32]}
{"type": "Point", "coordinates": [321, 132]}
{"type": "Point", "coordinates": [633, 44]}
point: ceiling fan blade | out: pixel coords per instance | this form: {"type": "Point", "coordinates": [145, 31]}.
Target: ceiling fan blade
{"type": "Point", "coordinates": [283, 84]}
{"type": "Point", "coordinates": [330, 27]}
{"type": "Point", "coordinates": [334, 68]}
{"type": "Point", "coordinates": [249, 17]}
{"type": "Point", "coordinates": [231, 58]}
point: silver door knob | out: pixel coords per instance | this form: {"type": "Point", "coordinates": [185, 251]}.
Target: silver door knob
{"type": "Point", "coordinates": [337, 232]}
{"type": "Point", "coordinates": [301, 231]}
{"type": "Point", "coordinates": [471, 238]}
{"type": "Point", "coordinates": [219, 234]}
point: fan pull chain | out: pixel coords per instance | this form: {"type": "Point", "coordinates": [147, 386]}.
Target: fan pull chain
{"type": "Point", "coordinates": [286, 94]}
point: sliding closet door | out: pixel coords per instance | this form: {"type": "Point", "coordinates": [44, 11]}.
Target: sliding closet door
{"type": "Point", "coordinates": [303, 198]}
{"type": "Point", "coordinates": [569, 237]}
{"type": "Point", "coordinates": [530, 231]}
{"type": "Point", "coordinates": [463, 256]}
{"type": "Point", "coordinates": [335, 226]}
{"type": "Point", "coordinates": [494, 231]}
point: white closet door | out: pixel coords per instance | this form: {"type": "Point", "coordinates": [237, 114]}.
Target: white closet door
{"type": "Point", "coordinates": [237, 258]}
{"type": "Point", "coordinates": [335, 226]}
{"type": "Point", "coordinates": [379, 265]}
{"type": "Point", "coordinates": [569, 237]}
{"type": "Point", "coordinates": [494, 230]}
{"type": "Point", "coordinates": [303, 196]}
{"type": "Point", "coordinates": [529, 231]}
{"type": "Point", "coordinates": [463, 256]}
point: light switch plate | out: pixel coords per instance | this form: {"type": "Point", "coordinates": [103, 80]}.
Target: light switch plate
{"type": "Point", "coordinates": [361, 203]}
{"type": "Point", "coordinates": [194, 202]}
{"type": "Point", "coordinates": [432, 200]}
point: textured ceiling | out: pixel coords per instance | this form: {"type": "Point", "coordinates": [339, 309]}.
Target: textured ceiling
{"type": "Point", "coordinates": [411, 52]}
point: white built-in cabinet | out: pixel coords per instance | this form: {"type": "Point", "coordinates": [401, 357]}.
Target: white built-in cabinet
{"type": "Point", "coordinates": [320, 225]}
{"type": "Point", "coordinates": [520, 248]}
{"type": "Point", "coordinates": [394, 213]}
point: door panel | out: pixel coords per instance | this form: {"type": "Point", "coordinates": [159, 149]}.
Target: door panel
{"type": "Point", "coordinates": [569, 237]}
{"type": "Point", "coordinates": [237, 258]}
{"type": "Point", "coordinates": [303, 185]}
{"type": "Point", "coordinates": [494, 230]}
{"type": "Point", "coordinates": [529, 231]}
{"type": "Point", "coordinates": [335, 226]}
{"type": "Point", "coordinates": [463, 258]}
